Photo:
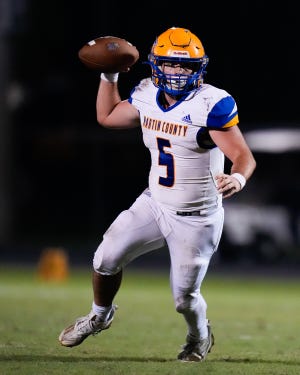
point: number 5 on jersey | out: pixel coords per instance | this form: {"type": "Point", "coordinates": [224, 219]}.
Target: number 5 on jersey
{"type": "Point", "coordinates": [165, 158]}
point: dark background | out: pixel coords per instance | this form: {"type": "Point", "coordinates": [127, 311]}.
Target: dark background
{"type": "Point", "coordinates": [63, 177]}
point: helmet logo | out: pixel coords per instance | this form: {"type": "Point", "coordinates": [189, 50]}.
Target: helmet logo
{"type": "Point", "coordinates": [180, 54]}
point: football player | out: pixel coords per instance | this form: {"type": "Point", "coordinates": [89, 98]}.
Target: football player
{"type": "Point", "coordinates": [189, 127]}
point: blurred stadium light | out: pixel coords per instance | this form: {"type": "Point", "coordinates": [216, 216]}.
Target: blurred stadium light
{"type": "Point", "coordinates": [274, 141]}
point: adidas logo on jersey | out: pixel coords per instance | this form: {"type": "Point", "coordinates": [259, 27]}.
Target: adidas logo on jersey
{"type": "Point", "coordinates": [187, 119]}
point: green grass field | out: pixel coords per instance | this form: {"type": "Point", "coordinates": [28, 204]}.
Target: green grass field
{"type": "Point", "coordinates": [256, 323]}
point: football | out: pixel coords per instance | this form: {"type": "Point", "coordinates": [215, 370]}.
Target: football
{"type": "Point", "coordinates": [108, 54]}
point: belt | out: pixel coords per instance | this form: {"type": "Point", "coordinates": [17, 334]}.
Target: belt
{"type": "Point", "coordinates": [186, 213]}
{"type": "Point", "coordinates": [205, 211]}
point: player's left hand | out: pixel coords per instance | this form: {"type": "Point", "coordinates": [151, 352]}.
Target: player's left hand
{"type": "Point", "coordinates": [227, 185]}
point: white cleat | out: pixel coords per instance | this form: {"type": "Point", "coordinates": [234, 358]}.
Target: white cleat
{"type": "Point", "coordinates": [197, 351]}
{"type": "Point", "coordinates": [84, 327]}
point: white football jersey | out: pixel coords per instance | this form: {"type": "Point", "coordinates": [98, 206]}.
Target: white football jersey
{"type": "Point", "coordinates": [184, 160]}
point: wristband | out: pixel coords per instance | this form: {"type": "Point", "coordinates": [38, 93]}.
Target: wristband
{"type": "Point", "coordinates": [109, 77]}
{"type": "Point", "coordinates": [241, 179]}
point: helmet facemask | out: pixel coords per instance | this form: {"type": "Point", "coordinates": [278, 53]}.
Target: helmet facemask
{"type": "Point", "coordinates": [177, 84]}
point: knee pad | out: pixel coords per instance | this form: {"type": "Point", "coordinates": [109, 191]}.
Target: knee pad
{"type": "Point", "coordinates": [105, 266]}
{"type": "Point", "coordinates": [190, 302]}
{"type": "Point", "coordinates": [184, 303]}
